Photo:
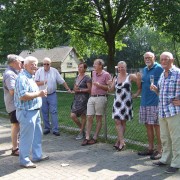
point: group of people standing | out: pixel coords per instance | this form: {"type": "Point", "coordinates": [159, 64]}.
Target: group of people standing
{"type": "Point", "coordinates": [29, 90]}
{"type": "Point", "coordinates": [159, 86]}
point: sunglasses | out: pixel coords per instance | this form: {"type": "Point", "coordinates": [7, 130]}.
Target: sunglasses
{"type": "Point", "coordinates": [46, 64]}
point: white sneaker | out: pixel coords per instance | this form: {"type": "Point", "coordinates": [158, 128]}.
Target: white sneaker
{"type": "Point", "coordinates": [80, 136]}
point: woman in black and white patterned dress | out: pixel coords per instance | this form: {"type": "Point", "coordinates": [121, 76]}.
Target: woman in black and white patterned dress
{"type": "Point", "coordinates": [122, 106]}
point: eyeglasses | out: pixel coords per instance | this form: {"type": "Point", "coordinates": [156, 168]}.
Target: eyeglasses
{"type": "Point", "coordinates": [46, 64]}
{"type": "Point", "coordinates": [148, 57]}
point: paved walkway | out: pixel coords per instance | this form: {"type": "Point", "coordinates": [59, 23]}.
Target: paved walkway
{"type": "Point", "coordinates": [98, 161]}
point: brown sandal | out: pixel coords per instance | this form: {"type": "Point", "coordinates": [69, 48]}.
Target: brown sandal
{"type": "Point", "coordinates": [15, 152]}
{"type": "Point", "coordinates": [85, 142]}
{"type": "Point", "coordinates": [92, 141]}
{"type": "Point", "coordinates": [116, 146]}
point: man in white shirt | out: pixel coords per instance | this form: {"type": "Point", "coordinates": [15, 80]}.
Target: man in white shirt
{"type": "Point", "coordinates": [48, 77]}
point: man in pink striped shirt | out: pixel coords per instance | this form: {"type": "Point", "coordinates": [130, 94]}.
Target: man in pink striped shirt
{"type": "Point", "coordinates": [97, 102]}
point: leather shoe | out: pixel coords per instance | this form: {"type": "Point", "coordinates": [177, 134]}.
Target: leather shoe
{"type": "Point", "coordinates": [43, 158]}
{"type": "Point", "coordinates": [159, 163]}
{"type": "Point", "coordinates": [147, 152]}
{"type": "Point", "coordinates": [171, 170]}
{"type": "Point", "coordinates": [46, 132]}
{"type": "Point", "coordinates": [92, 141]}
{"type": "Point", "coordinates": [29, 165]}
{"type": "Point", "coordinates": [56, 133]}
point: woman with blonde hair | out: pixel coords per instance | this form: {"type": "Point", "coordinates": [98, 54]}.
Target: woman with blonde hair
{"type": "Point", "coordinates": [122, 106]}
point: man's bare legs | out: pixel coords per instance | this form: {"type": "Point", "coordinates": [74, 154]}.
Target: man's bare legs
{"type": "Point", "coordinates": [150, 135]}
{"type": "Point", "coordinates": [89, 126]}
{"type": "Point", "coordinates": [14, 135]}
{"type": "Point", "coordinates": [98, 126]}
{"type": "Point", "coordinates": [83, 122]}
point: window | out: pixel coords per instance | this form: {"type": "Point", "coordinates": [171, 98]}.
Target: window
{"type": "Point", "coordinates": [71, 54]}
{"type": "Point", "coordinates": [69, 65]}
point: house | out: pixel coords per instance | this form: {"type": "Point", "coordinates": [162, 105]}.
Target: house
{"type": "Point", "coordinates": [64, 58]}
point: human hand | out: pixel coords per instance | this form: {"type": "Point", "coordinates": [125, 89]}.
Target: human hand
{"type": "Point", "coordinates": [96, 84]}
{"type": "Point", "coordinates": [76, 88]}
{"type": "Point", "coordinates": [109, 82]}
{"type": "Point", "coordinates": [43, 93]}
{"type": "Point", "coordinates": [134, 96]}
{"type": "Point", "coordinates": [176, 102]}
{"type": "Point", "coordinates": [153, 88]}
{"type": "Point", "coordinates": [69, 91]}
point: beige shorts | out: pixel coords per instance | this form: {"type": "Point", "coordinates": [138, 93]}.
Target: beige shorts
{"type": "Point", "coordinates": [96, 105]}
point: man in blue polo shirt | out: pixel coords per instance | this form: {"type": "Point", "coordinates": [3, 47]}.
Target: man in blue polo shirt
{"type": "Point", "coordinates": [148, 113]}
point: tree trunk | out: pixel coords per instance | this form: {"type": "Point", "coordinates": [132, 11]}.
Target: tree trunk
{"type": "Point", "coordinates": [176, 53]}
{"type": "Point", "coordinates": [110, 61]}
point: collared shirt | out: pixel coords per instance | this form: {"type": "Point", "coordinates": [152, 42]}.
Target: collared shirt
{"type": "Point", "coordinates": [9, 78]}
{"type": "Point", "coordinates": [148, 97]}
{"type": "Point", "coordinates": [102, 78]}
{"type": "Point", "coordinates": [169, 88]}
{"type": "Point", "coordinates": [52, 76]}
{"type": "Point", "coordinates": [25, 83]}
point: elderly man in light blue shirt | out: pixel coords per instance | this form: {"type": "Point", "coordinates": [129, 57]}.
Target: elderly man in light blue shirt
{"type": "Point", "coordinates": [27, 99]}
{"type": "Point", "coordinates": [48, 77]}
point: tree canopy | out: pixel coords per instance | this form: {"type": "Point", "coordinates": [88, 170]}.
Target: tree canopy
{"type": "Point", "coordinates": [95, 26]}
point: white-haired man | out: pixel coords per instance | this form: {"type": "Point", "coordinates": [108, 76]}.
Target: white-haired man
{"type": "Point", "coordinates": [49, 77]}
{"type": "Point", "coordinates": [148, 113]}
{"type": "Point", "coordinates": [28, 102]}
{"type": "Point", "coordinates": [169, 113]}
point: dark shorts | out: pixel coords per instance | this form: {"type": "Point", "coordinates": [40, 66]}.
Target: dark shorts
{"type": "Point", "coordinates": [12, 116]}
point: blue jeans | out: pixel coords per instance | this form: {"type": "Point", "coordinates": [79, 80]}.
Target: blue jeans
{"type": "Point", "coordinates": [49, 105]}
{"type": "Point", "coordinates": [30, 135]}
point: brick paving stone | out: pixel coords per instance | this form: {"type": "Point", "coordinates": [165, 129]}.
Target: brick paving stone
{"type": "Point", "coordinates": [98, 161]}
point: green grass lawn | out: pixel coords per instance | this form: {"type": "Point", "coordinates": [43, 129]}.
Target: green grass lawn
{"type": "Point", "coordinates": [134, 131]}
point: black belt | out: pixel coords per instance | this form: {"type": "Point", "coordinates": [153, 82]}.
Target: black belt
{"type": "Point", "coordinates": [51, 93]}
{"type": "Point", "coordinates": [37, 109]}
{"type": "Point", "coordinates": [97, 95]}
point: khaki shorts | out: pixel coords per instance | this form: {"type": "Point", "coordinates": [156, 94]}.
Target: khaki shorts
{"type": "Point", "coordinates": [96, 105]}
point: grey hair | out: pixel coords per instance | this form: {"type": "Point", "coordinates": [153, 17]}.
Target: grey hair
{"type": "Point", "coordinates": [29, 59]}
{"type": "Point", "coordinates": [100, 62]}
{"type": "Point", "coordinates": [21, 58]}
{"type": "Point", "coordinates": [11, 58]}
{"type": "Point", "coordinates": [122, 62]}
{"type": "Point", "coordinates": [47, 59]}
{"type": "Point", "coordinates": [152, 54]}
{"type": "Point", "coordinates": [167, 54]}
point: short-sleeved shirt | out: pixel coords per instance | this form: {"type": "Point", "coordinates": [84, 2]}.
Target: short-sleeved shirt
{"type": "Point", "coordinates": [169, 88]}
{"type": "Point", "coordinates": [9, 78]}
{"type": "Point", "coordinates": [52, 76]}
{"type": "Point", "coordinates": [25, 83]}
{"type": "Point", "coordinates": [102, 78]}
{"type": "Point", "coordinates": [148, 97]}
